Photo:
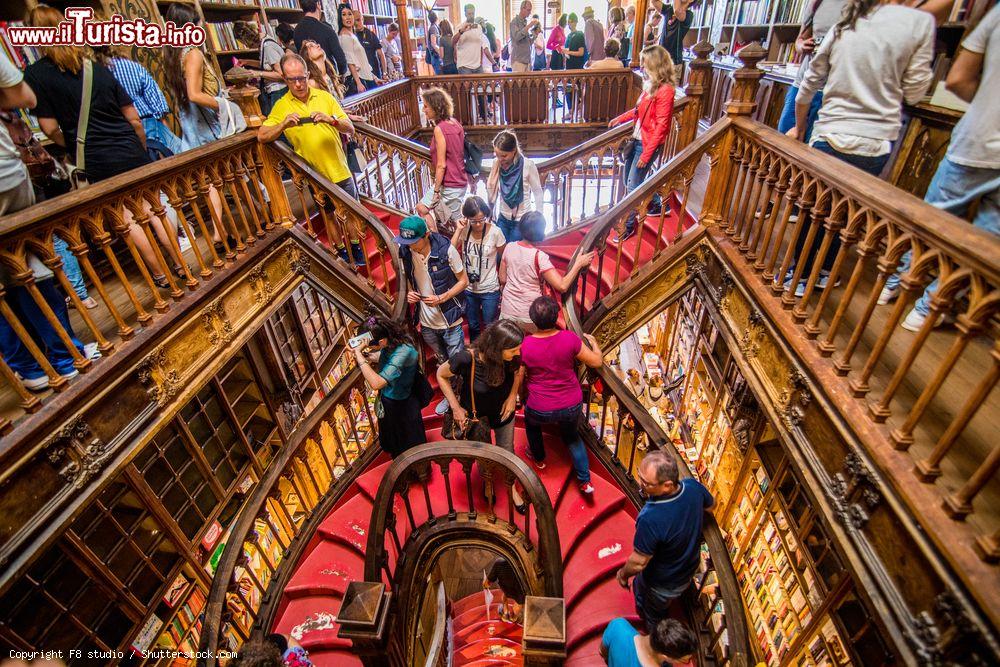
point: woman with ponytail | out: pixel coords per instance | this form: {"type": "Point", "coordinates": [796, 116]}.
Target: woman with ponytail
{"type": "Point", "coordinates": [876, 58]}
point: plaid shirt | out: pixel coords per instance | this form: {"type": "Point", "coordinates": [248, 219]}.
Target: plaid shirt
{"type": "Point", "coordinates": [141, 87]}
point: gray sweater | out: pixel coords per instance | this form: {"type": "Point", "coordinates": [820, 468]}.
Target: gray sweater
{"type": "Point", "coordinates": [867, 73]}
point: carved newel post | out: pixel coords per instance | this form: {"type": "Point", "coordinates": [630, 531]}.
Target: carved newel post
{"type": "Point", "coordinates": [245, 97]}
{"type": "Point", "coordinates": [698, 85]}
{"type": "Point", "coordinates": [746, 81]}
{"type": "Point", "coordinates": [405, 45]}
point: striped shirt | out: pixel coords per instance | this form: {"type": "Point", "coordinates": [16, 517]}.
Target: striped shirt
{"type": "Point", "coordinates": [141, 87]}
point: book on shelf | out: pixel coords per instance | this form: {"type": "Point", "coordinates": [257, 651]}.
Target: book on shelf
{"type": "Point", "coordinates": [282, 4]}
{"type": "Point", "coordinates": [223, 37]}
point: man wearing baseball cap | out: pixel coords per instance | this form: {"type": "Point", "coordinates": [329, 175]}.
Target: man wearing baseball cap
{"type": "Point", "coordinates": [437, 280]}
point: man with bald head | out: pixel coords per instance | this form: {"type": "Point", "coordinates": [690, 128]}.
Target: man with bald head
{"type": "Point", "coordinates": [666, 550]}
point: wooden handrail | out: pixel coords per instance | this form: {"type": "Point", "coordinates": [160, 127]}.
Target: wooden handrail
{"type": "Point", "coordinates": [645, 427]}
{"type": "Point", "coordinates": [313, 447]}
{"type": "Point", "coordinates": [439, 653]}
{"type": "Point", "coordinates": [415, 465]}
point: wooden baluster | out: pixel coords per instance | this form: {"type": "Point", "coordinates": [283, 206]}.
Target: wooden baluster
{"type": "Point", "coordinates": [988, 547]}
{"type": "Point", "coordinates": [55, 263]}
{"type": "Point", "coordinates": [486, 472]}
{"type": "Point", "coordinates": [324, 204]}
{"type": "Point", "coordinates": [619, 249]}
{"type": "Point", "coordinates": [902, 437]}
{"type": "Point", "coordinates": [204, 190]}
{"type": "Point", "coordinates": [467, 469]}
{"type": "Point", "coordinates": [760, 212]}
{"type": "Point", "coordinates": [254, 539]}
{"type": "Point", "coordinates": [293, 480]}
{"type": "Point", "coordinates": [864, 251]}
{"type": "Point", "coordinates": [234, 589]}
{"type": "Point", "coordinates": [29, 402]}
{"type": "Point", "coordinates": [242, 176]}
{"type": "Point", "coordinates": [831, 226]}
{"type": "Point", "coordinates": [216, 175]}
{"type": "Point", "coordinates": [805, 203]}
{"type": "Point", "coordinates": [299, 181]}
{"type": "Point", "coordinates": [958, 505]}
{"type": "Point", "coordinates": [742, 159]}
{"type": "Point", "coordinates": [788, 205]}
{"type": "Point", "coordinates": [423, 475]}
{"type": "Point", "coordinates": [244, 562]}
{"type": "Point", "coordinates": [849, 238]}
{"type": "Point", "coordinates": [172, 192]}
{"type": "Point", "coordinates": [274, 529]}
{"type": "Point", "coordinates": [509, 484]}
{"type": "Point", "coordinates": [688, 180]}
{"type": "Point", "coordinates": [778, 202]}
{"type": "Point", "coordinates": [56, 381]}
{"type": "Point", "coordinates": [404, 493]}
{"type": "Point", "coordinates": [640, 225]}
{"type": "Point", "coordinates": [140, 217]}
{"type": "Point", "coordinates": [190, 198]}
{"type": "Point", "coordinates": [445, 467]}
{"type": "Point", "coordinates": [843, 365]}
{"type": "Point", "coordinates": [27, 281]}
{"type": "Point", "coordinates": [275, 495]}
{"type": "Point", "coordinates": [326, 461]}
{"type": "Point", "coordinates": [602, 248]}
{"type": "Point", "coordinates": [270, 166]}
{"type": "Point", "coordinates": [392, 528]}
{"type": "Point", "coordinates": [743, 208]}
{"type": "Point", "coordinates": [155, 202]}
{"type": "Point", "coordinates": [313, 483]}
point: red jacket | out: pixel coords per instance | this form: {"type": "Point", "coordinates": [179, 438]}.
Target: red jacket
{"type": "Point", "coordinates": [654, 112]}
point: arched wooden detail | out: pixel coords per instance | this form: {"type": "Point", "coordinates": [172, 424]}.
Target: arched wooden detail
{"type": "Point", "coordinates": [451, 463]}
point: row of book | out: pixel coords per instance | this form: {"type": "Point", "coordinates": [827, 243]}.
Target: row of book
{"type": "Point", "coordinates": [754, 12]}
{"type": "Point", "coordinates": [792, 11]}
{"type": "Point", "coordinates": [376, 7]}
{"type": "Point", "coordinates": [282, 4]}
{"type": "Point", "coordinates": [223, 37]}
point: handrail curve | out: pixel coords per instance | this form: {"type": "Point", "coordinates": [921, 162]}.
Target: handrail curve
{"type": "Point", "coordinates": [415, 466]}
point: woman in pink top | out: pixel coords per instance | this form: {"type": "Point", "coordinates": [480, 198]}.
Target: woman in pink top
{"type": "Point", "coordinates": [557, 39]}
{"type": "Point", "coordinates": [447, 160]}
{"type": "Point", "coordinates": [524, 268]}
{"type": "Point", "coordinates": [548, 360]}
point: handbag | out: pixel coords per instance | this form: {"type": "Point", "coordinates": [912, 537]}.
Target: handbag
{"type": "Point", "coordinates": [473, 156]}
{"type": "Point", "coordinates": [475, 428]}
{"type": "Point", "coordinates": [40, 164]}
{"type": "Point", "coordinates": [423, 390]}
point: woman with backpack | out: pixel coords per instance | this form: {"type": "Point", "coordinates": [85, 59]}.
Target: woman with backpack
{"type": "Point", "coordinates": [480, 243]}
{"type": "Point", "coordinates": [525, 270]}
{"type": "Point", "coordinates": [450, 180]}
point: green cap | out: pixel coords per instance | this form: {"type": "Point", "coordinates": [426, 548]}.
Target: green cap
{"type": "Point", "coordinates": [411, 229]}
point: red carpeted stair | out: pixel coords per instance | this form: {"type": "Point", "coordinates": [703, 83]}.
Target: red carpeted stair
{"type": "Point", "coordinates": [595, 534]}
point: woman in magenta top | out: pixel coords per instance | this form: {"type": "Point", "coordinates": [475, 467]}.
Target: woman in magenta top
{"type": "Point", "coordinates": [447, 159]}
{"type": "Point", "coordinates": [554, 396]}
{"type": "Point", "coordinates": [557, 39]}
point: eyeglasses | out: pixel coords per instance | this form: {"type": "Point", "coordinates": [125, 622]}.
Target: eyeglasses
{"type": "Point", "coordinates": [645, 483]}
{"type": "Point", "coordinates": [480, 220]}
{"type": "Point", "coordinates": [296, 79]}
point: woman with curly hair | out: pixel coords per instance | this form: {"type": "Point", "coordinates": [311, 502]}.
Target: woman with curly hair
{"type": "Point", "coordinates": [447, 160]}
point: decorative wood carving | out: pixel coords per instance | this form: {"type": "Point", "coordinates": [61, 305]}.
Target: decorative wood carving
{"type": "Point", "coordinates": [216, 323]}
{"type": "Point", "coordinates": [77, 452]}
{"type": "Point", "coordinates": [855, 492]}
{"type": "Point", "coordinates": [160, 380]}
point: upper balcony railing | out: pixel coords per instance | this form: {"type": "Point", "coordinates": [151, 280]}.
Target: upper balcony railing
{"type": "Point", "coordinates": [142, 241]}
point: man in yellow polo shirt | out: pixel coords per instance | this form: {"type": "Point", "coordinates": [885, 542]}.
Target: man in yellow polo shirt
{"type": "Point", "coordinates": [312, 120]}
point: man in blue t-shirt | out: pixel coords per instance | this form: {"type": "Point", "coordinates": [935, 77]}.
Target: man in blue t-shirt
{"type": "Point", "coordinates": [670, 642]}
{"type": "Point", "coordinates": [666, 548]}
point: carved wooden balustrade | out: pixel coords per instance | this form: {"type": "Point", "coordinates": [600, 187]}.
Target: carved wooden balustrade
{"type": "Point", "coordinates": [144, 240]}
{"type": "Point", "coordinates": [635, 432]}
{"type": "Point", "coordinates": [328, 447]}
{"type": "Point", "coordinates": [392, 108]}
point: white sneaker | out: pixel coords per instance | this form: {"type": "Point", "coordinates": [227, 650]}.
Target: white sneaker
{"type": "Point", "coordinates": [90, 351]}
{"type": "Point", "coordinates": [34, 384]}
{"type": "Point", "coordinates": [914, 321]}
{"type": "Point", "coordinates": [887, 295]}
{"type": "Point", "coordinates": [442, 406]}
{"type": "Point", "coordinates": [821, 283]}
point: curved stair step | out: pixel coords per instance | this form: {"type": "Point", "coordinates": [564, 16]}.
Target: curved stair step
{"type": "Point", "coordinates": [502, 649]}
{"type": "Point", "coordinates": [334, 658]}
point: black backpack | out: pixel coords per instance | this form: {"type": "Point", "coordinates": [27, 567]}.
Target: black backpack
{"type": "Point", "coordinates": [473, 156]}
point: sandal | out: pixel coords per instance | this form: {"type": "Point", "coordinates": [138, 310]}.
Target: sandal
{"type": "Point", "coordinates": [161, 282]}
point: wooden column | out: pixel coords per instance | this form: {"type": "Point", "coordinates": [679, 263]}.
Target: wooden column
{"type": "Point", "coordinates": [641, 6]}
{"type": "Point", "coordinates": [698, 85]}
{"type": "Point", "coordinates": [245, 97]}
{"type": "Point", "coordinates": [746, 81]}
{"type": "Point", "coordinates": [409, 66]}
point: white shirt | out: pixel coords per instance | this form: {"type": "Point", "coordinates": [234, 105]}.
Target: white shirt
{"type": "Point", "coordinates": [11, 169]}
{"type": "Point", "coordinates": [481, 258]}
{"type": "Point", "coordinates": [469, 48]}
{"type": "Point", "coordinates": [975, 142]}
{"type": "Point", "coordinates": [355, 55]}
{"type": "Point", "coordinates": [431, 317]}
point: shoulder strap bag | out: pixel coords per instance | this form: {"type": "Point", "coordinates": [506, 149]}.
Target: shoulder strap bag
{"type": "Point", "coordinates": [84, 120]}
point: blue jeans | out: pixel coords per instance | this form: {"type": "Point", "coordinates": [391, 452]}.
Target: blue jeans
{"type": "Point", "coordinates": [15, 353]}
{"type": "Point", "coordinates": [155, 129]}
{"type": "Point", "coordinates": [872, 165]}
{"type": "Point", "coordinates": [653, 604]}
{"type": "Point", "coordinates": [481, 311]}
{"type": "Point", "coordinates": [444, 342]}
{"type": "Point", "coordinates": [954, 188]}
{"type": "Point", "coordinates": [787, 120]}
{"type": "Point", "coordinates": [510, 228]}
{"type": "Point", "coordinates": [567, 419]}
{"type": "Point", "coordinates": [71, 267]}
{"type": "Point", "coordinates": [634, 177]}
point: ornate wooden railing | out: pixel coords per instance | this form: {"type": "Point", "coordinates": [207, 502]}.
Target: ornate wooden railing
{"type": "Point", "coordinates": [319, 462]}
{"type": "Point", "coordinates": [634, 433]}
{"type": "Point", "coordinates": [392, 108]}
{"type": "Point", "coordinates": [142, 241]}
{"type": "Point", "coordinates": [456, 465]}
{"type": "Point", "coordinates": [784, 210]}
